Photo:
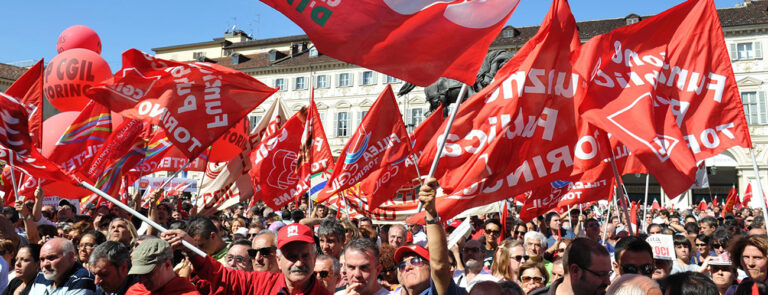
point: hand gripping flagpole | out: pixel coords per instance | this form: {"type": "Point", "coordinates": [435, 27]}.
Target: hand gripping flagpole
{"type": "Point", "coordinates": [759, 184]}
{"type": "Point", "coordinates": [441, 143]}
{"type": "Point", "coordinates": [125, 207]}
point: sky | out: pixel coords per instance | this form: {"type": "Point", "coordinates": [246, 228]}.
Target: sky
{"type": "Point", "coordinates": [30, 28]}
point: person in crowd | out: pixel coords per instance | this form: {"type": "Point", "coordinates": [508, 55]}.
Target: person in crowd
{"type": "Point", "coordinates": [634, 284]}
{"type": "Point", "coordinates": [151, 263]}
{"type": "Point", "coordinates": [758, 226]}
{"type": "Point", "coordinates": [722, 274]}
{"type": "Point", "coordinates": [351, 232]}
{"type": "Point", "coordinates": [720, 240]}
{"type": "Point", "coordinates": [748, 253]}
{"type": "Point", "coordinates": [587, 270]}
{"type": "Point", "coordinates": [702, 249]}
{"type": "Point", "coordinates": [751, 287]}
{"type": "Point", "coordinates": [557, 250]}
{"type": "Point", "coordinates": [122, 230]}
{"type": "Point", "coordinates": [264, 250]}
{"type": "Point", "coordinates": [707, 225]}
{"type": "Point", "coordinates": [655, 228]}
{"type": "Point", "coordinates": [419, 237]}
{"type": "Point", "coordinates": [331, 236]}
{"type": "Point", "coordinates": [557, 270]}
{"type": "Point", "coordinates": [472, 258]}
{"type": "Point", "coordinates": [26, 268]}
{"type": "Point", "coordinates": [328, 272]}
{"type": "Point", "coordinates": [239, 255]}
{"type": "Point", "coordinates": [206, 237]}
{"type": "Point", "coordinates": [388, 276]}
{"type": "Point", "coordinates": [555, 230]}
{"type": "Point", "coordinates": [535, 244]}
{"type": "Point", "coordinates": [362, 268]}
{"type": "Point", "coordinates": [87, 243]}
{"type": "Point", "coordinates": [492, 232]}
{"type": "Point", "coordinates": [518, 231]}
{"type": "Point", "coordinates": [533, 276]}
{"type": "Point", "coordinates": [397, 235]}
{"type": "Point", "coordinates": [682, 255]}
{"type": "Point", "coordinates": [689, 283]}
{"type": "Point", "coordinates": [61, 273]}
{"type": "Point", "coordinates": [65, 212]}
{"type": "Point", "coordinates": [511, 255]}
{"type": "Point", "coordinates": [296, 258]}
{"type": "Point", "coordinates": [633, 256]}
{"type": "Point", "coordinates": [110, 263]}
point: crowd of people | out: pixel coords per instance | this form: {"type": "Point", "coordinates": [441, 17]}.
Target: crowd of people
{"type": "Point", "coordinates": [256, 250]}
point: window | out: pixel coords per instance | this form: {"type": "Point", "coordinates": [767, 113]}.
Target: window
{"type": "Point", "coordinates": [360, 117]}
{"type": "Point", "coordinates": [345, 79]}
{"type": "Point", "coordinates": [300, 83]}
{"type": "Point", "coordinates": [280, 83]}
{"type": "Point", "coordinates": [197, 55]}
{"type": "Point", "coordinates": [254, 120]}
{"type": "Point", "coordinates": [321, 81]}
{"type": "Point", "coordinates": [417, 116]}
{"type": "Point", "coordinates": [633, 20]}
{"type": "Point", "coordinates": [755, 108]}
{"type": "Point", "coordinates": [390, 80]}
{"type": "Point", "coordinates": [746, 50]}
{"type": "Point", "coordinates": [342, 124]}
{"type": "Point", "coordinates": [509, 33]}
{"type": "Point", "coordinates": [369, 78]}
{"type": "Point", "coordinates": [313, 52]}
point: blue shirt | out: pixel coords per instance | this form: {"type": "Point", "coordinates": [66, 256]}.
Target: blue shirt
{"type": "Point", "coordinates": [453, 289]}
{"type": "Point", "coordinates": [80, 282]}
{"type": "Point", "coordinates": [568, 234]}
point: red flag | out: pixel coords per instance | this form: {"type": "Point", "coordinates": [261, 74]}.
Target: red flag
{"type": "Point", "coordinates": [655, 205]}
{"type": "Point", "coordinates": [121, 152]}
{"type": "Point", "coordinates": [29, 90]}
{"type": "Point", "coordinates": [730, 201]}
{"type": "Point", "coordinates": [18, 148]}
{"type": "Point", "coordinates": [715, 202]}
{"type": "Point", "coordinates": [522, 113]}
{"type": "Point", "coordinates": [194, 102]}
{"type": "Point", "coordinates": [504, 215]}
{"type": "Point", "coordinates": [417, 41]}
{"type": "Point", "coordinates": [380, 142]}
{"type": "Point", "coordinates": [161, 155]}
{"type": "Point", "coordinates": [672, 71]}
{"type": "Point", "coordinates": [702, 205]}
{"type": "Point", "coordinates": [633, 214]}
{"type": "Point", "coordinates": [315, 153]}
{"type": "Point", "coordinates": [747, 196]}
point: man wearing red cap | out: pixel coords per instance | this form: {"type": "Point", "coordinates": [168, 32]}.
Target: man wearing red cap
{"type": "Point", "coordinates": [296, 258]}
{"type": "Point", "coordinates": [426, 272]}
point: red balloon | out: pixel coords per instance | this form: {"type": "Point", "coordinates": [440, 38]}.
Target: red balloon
{"type": "Point", "coordinates": [54, 127]}
{"type": "Point", "coordinates": [78, 36]}
{"type": "Point", "coordinates": [70, 74]}
{"type": "Point", "coordinates": [230, 144]}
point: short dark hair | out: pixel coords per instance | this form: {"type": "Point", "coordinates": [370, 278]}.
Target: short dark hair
{"type": "Point", "coordinates": [691, 227]}
{"type": "Point", "coordinates": [745, 287]}
{"type": "Point", "coordinates": [97, 236]}
{"type": "Point", "coordinates": [689, 283]}
{"type": "Point", "coordinates": [682, 240]}
{"type": "Point", "coordinates": [661, 227]}
{"type": "Point", "coordinates": [580, 251]}
{"type": "Point", "coordinates": [201, 226]}
{"type": "Point", "coordinates": [492, 221]}
{"type": "Point", "coordinates": [632, 244]}
{"type": "Point", "coordinates": [242, 242]}
{"type": "Point", "coordinates": [722, 236]}
{"type": "Point", "coordinates": [709, 220]}
{"type": "Point", "coordinates": [363, 245]}
{"type": "Point", "coordinates": [115, 252]}
{"type": "Point", "coordinates": [704, 238]}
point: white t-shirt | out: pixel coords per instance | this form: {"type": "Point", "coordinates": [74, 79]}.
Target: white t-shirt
{"type": "Point", "coordinates": [460, 278]}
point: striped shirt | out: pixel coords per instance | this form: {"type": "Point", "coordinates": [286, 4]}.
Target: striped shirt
{"type": "Point", "coordinates": [79, 282]}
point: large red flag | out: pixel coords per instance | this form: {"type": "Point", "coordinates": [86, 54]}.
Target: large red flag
{"type": "Point", "coordinates": [18, 148]}
{"type": "Point", "coordinates": [673, 72]}
{"type": "Point", "coordinates": [730, 201]}
{"type": "Point", "coordinates": [517, 133]}
{"type": "Point", "coordinates": [161, 155]}
{"type": "Point", "coordinates": [417, 41]}
{"type": "Point", "coordinates": [380, 141]}
{"type": "Point", "coordinates": [314, 153]}
{"type": "Point", "coordinates": [29, 90]}
{"type": "Point", "coordinates": [194, 102]}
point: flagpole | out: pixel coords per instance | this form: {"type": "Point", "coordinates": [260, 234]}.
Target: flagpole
{"type": "Point", "coordinates": [645, 207]}
{"type": "Point", "coordinates": [607, 219]}
{"type": "Point", "coordinates": [620, 192]}
{"type": "Point", "coordinates": [168, 180]}
{"type": "Point", "coordinates": [441, 143]}
{"type": "Point", "coordinates": [13, 178]}
{"type": "Point", "coordinates": [125, 207]}
{"type": "Point", "coordinates": [759, 183]}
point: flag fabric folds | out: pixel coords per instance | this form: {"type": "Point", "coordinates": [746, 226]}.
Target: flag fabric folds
{"type": "Point", "coordinates": [417, 41]}
{"type": "Point", "coordinates": [29, 90]}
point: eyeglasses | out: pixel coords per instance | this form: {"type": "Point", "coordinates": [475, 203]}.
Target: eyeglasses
{"type": "Point", "coordinates": [323, 274]}
{"type": "Point", "coordinates": [645, 269]}
{"type": "Point", "coordinates": [471, 249]}
{"type": "Point", "coordinates": [701, 245]}
{"type": "Point", "coordinates": [237, 258]}
{"type": "Point", "coordinates": [493, 232]}
{"type": "Point", "coordinates": [598, 274]}
{"type": "Point", "coordinates": [521, 258]}
{"type": "Point", "coordinates": [537, 280]}
{"type": "Point", "coordinates": [415, 261]}
{"type": "Point", "coordinates": [267, 251]}
{"type": "Point", "coordinates": [717, 246]}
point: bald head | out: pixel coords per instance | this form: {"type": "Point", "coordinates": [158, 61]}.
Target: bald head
{"type": "Point", "coordinates": [57, 257]}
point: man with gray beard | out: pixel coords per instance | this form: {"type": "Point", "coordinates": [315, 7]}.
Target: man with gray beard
{"type": "Point", "coordinates": [472, 257]}
{"type": "Point", "coordinates": [60, 273]}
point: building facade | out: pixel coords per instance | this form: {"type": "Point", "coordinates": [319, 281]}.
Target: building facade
{"type": "Point", "coordinates": [345, 92]}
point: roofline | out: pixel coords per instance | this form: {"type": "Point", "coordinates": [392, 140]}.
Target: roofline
{"type": "Point", "coordinates": [217, 41]}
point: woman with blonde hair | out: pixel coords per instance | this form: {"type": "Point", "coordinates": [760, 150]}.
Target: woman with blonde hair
{"type": "Point", "coordinates": [350, 231]}
{"type": "Point", "coordinates": [509, 257]}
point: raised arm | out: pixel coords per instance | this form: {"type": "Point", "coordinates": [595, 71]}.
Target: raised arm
{"type": "Point", "coordinates": [440, 266]}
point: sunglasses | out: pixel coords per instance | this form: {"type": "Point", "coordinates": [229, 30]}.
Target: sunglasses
{"type": "Point", "coordinates": [415, 261]}
{"type": "Point", "coordinates": [717, 246]}
{"type": "Point", "coordinates": [701, 245]}
{"type": "Point", "coordinates": [521, 233]}
{"type": "Point", "coordinates": [645, 269]}
{"type": "Point", "coordinates": [267, 251]}
{"type": "Point", "coordinates": [492, 232]}
{"type": "Point", "coordinates": [323, 274]}
{"type": "Point", "coordinates": [520, 258]}
{"type": "Point", "coordinates": [526, 279]}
